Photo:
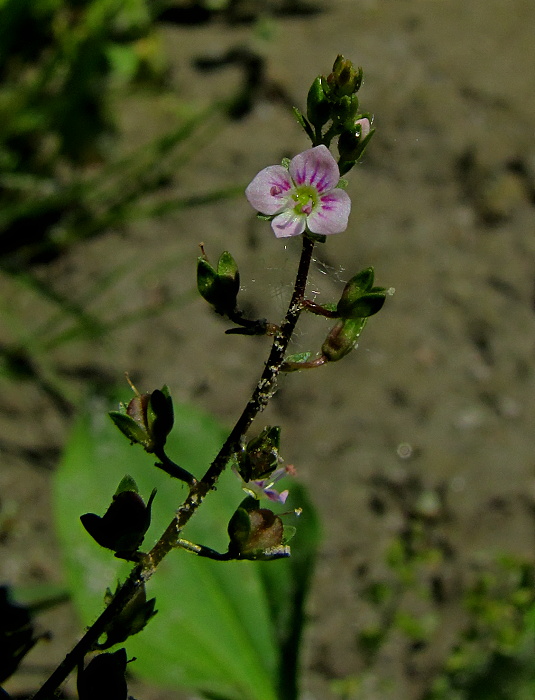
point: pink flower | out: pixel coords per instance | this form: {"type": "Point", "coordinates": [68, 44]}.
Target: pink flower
{"type": "Point", "coordinates": [304, 196]}
{"type": "Point", "coordinates": [260, 488]}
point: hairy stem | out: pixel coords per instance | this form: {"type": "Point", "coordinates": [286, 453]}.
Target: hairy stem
{"type": "Point", "coordinates": [143, 571]}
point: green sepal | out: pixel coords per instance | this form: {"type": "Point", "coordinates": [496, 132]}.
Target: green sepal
{"type": "Point", "coordinates": [228, 284]}
{"type": "Point", "coordinates": [227, 267]}
{"type": "Point", "coordinates": [317, 237]}
{"type": "Point", "coordinates": [368, 304]}
{"type": "Point", "coordinates": [160, 416]}
{"type": "Point", "coordinates": [206, 279]}
{"type": "Point", "coordinates": [130, 428]}
{"type": "Point", "coordinates": [346, 110]}
{"type": "Point", "coordinates": [351, 149]}
{"type": "Point", "coordinates": [288, 534]}
{"type": "Point", "coordinates": [147, 420]}
{"type": "Point", "coordinates": [360, 298]}
{"type": "Point", "coordinates": [363, 279]}
{"type": "Point", "coordinates": [304, 123]}
{"type": "Point", "coordinates": [219, 288]}
{"type": "Point", "coordinates": [127, 483]}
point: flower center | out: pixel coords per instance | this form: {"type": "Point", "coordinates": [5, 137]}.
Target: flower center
{"type": "Point", "coordinates": [305, 199]}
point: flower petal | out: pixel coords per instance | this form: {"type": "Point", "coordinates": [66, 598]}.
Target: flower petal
{"type": "Point", "coordinates": [331, 213]}
{"type": "Point", "coordinates": [288, 224]}
{"type": "Point", "coordinates": [315, 167]}
{"type": "Point", "coordinates": [365, 126]}
{"type": "Point", "coordinates": [268, 191]}
{"type": "Point", "coordinates": [276, 496]}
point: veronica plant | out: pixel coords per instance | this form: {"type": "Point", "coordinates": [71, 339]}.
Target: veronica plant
{"type": "Point", "coordinates": [301, 197]}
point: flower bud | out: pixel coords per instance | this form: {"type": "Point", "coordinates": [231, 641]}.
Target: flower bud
{"type": "Point", "coordinates": [318, 105]}
{"type": "Point", "coordinates": [256, 533]}
{"type": "Point", "coordinates": [130, 620]}
{"type": "Point", "coordinates": [261, 455]}
{"type": "Point", "coordinates": [342, 338]}
{"type": "Point", "coordinates": [219, 287]}
{"type": "Point", "coordinates": [103, 677]}
{"type": "Point", "coordinates": [353, 141]}
{"type": "Point", "coordinates": [347, 110]}
{"type": "Point", "coordinates": [148, 418]}
{"type": "Point", "coordinates": [123, 526]}
{"type": "Point", "coordinates": [345, 79]}
{"type": "Point", "coordinates": [360, 298]}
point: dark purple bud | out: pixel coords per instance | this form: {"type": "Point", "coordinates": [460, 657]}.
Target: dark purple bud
{"type": "Point", "coordinates": [104, 677]}
{"type": "Point", "coordinates": [123, 526]}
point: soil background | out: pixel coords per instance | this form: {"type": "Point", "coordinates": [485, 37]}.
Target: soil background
{"type": "Point", "coordinates": [435, 408]}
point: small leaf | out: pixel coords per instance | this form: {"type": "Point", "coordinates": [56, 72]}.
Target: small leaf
{"type": "Point", "coordinates": [298, 357]}
{"type": "Point", "coordinates": [129, 427]}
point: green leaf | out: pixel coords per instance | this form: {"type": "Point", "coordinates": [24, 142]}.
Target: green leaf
{"type": "Point", "coordinates": [216, 633]}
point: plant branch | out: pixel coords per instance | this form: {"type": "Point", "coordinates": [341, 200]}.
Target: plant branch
{"type": "Point", "coordinates": [143, 571]}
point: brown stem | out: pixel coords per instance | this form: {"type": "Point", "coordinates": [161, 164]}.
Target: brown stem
{"type": "Point", "coordinates": [143, 571]}
{"type": "Point", "coordinates": [318, 309]}
{"type": "Point", "coordinates": [309, 364]}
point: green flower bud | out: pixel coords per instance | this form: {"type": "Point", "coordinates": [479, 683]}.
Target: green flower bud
{"type": "Point", "coordinates": [219, 287]}
{"type": "Point", "coordinates": [352, 143]}
{"type": "Point", "coordinates": [318, 105]}
{"type": "Point", "coordinates": [347, 109]}
{"type": "Point", "coordinates": [360, 298]}
{"type": "Point", "coordinates": [342, 338]}
{"type": "Point", "coordinates": [345, 79]}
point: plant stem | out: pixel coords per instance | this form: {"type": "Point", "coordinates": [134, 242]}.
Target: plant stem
{"type": "Point", "coordinates": [143, 571]}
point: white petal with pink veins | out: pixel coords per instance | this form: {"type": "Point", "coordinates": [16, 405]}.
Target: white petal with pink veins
{"type": "Point", "coordinates": [288, 224]}
{"type": "Point", "coordinates": [269, 190]}
{"type": "Point", "coordinates": [331, 214]}
{"type": "Point", "coordinates": [315, 167]}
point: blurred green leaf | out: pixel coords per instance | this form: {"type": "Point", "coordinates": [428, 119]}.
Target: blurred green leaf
{"type": "Point", "coordinates": [219, 627]}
